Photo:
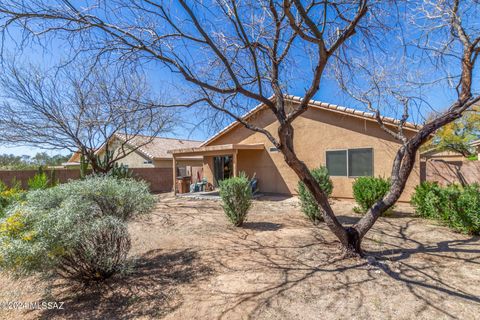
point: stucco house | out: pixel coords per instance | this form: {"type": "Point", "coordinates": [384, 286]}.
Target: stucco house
{"type": "Point", "coordinates": [153, 154]}
{"type": "Point", "coordinates": [476, 145]}
{"type": "Point", "coordinates": [443, 155]}
{"type": "Point", "coordinates": [450, 156]}
{"type": "Point", "coordinates": [348, 142]}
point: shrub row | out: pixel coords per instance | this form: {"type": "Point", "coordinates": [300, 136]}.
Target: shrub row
{"type": "Point", "coordinates": [458, 207]}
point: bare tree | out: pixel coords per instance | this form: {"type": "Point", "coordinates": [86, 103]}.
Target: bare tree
{"type": "Point", "coordinates": [80, 112]}
{"type": "Point", "coordinates": [232, 52]}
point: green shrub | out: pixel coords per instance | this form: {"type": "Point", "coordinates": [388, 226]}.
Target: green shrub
{"type": "Point", "coordinates": [120, 171]}
{"type": "Point", "coordinates": [368, 190]}
{"type": "Point", "coordinates": [39, 181]}
{"type": "Point", "coordinates": [467, 218]}
{"type": "Point", "coordinates": [236, 194]}
{"type": "Point", "coordinates": [9, 196]}
{"type": "Point", "coordinates": [455, 206]}
{"type": "Point", "coordinates": [76, 230]}
{"type": "Point", "coordinates": [308, 203]}
{"type": "Point", "coordinates": [426, 199]}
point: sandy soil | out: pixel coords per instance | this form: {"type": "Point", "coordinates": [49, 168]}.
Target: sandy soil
{"type": "Point", "coordinates": [192, 265]}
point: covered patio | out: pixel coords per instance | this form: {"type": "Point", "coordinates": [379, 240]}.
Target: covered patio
{"type": "Point", "coordinates": [219, 161]}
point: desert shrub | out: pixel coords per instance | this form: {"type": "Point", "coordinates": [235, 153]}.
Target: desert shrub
{"type": "Point", "coordinates": [426, 199]}
{"type": "Point", "coordinates": [368, 190]}
{"type": "Point", "coordinates": [9, 196]}
{"type": "Point", "coordinates": [117, 197]}
{"type": "Point", "coordinates": [76, 230]}
{"type": "Point", "coordinates": [467, 217]}
{"type": "Point", "coordinates": [455, 206]}
{"type": "Point", "coordinates": [308, 203]}
{"type": "Point", "coordinates": [236, 194]}
{"type": "Point", "coordinates": [39, 181]}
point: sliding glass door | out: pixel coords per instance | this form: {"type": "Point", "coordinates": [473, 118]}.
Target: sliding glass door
{"type": "Point", "coordinates": [222, 167]}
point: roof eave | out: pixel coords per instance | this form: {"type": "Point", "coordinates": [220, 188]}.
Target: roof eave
{"type": "Point", "coordinates": [322, 106]}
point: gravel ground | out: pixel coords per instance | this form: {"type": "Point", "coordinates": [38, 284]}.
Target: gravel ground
{"type": "Point", "coordinates": [190, 264]}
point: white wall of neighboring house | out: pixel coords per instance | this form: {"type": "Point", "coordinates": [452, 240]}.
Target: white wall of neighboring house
{"type": "Point", "coordinates": [133, 160]}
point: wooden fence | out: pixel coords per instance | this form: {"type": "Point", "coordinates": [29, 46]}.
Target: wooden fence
{"type": "Point", "coordinates": [445, 173]}
{"type": "Point", "coordinates": [160, 179]}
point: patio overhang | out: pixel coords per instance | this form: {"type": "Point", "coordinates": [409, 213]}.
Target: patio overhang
{"type": "Point", "coordinates": [215, 150]}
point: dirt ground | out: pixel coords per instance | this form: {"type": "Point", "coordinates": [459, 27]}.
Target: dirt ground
{"type": "Point", "coordinates": [192, 265]}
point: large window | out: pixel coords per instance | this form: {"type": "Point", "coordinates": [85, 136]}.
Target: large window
{"type": "Point", "coordinates": [350, 163]}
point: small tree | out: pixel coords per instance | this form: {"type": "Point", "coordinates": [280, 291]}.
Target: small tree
{"type": "Point", "coordinates": [236, 194]}
{"type": "Point", "coordinates": [308, 203]}
{"type": "Point", "coordinates": [83, 115]}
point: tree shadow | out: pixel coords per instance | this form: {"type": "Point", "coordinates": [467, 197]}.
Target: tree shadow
{"type": "Point", "coordinates": [398, 265]}
{"type": "Point", "coordinates": [150, 290]}
{"type": "Point", "coordinates": [262, 226]}
{"type": "Point", "coordinates": [284, 270]}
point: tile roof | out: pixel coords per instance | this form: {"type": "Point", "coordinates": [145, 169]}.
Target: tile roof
{"type": "Point", "coordinates": [318, 105]}
{"type": "Point", "coordinates": [155, 149]}
{"type": "Point", "coordinates": [159, 146]}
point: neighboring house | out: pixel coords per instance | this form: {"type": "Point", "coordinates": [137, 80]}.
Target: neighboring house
{"type": "Point", "coordinates": [450, 156]}
{"type": "Point", "coordinates": [476, 145]}
{"type": "Point", "coordinates": [150, 155]}
{"type": "Point", "coordinates": [349, 142]}
{"type": "Point", "coordinates": [443, 155]}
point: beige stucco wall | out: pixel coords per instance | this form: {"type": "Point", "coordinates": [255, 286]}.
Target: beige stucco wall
{"type": "Point", "coordinates": [132, 160]}
{"type": "Point", "coordinates": [316, 131]}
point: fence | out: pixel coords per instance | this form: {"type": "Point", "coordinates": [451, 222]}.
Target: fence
{"type": "Point", "coordinates": [445, 173]}
{"type": "Point", "coordinates": [160, 179]}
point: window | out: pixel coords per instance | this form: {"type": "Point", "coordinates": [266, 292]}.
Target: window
{"type": "Point", "coordinates": [360, 162]}
{"type": "Point", "coordinates": [350, 163]}
{"type": "Point", "coordinates": [273, 149]}
{"type": "Point", "coordinates": [337, 163]}
{"type": "Point", "coordinates": [147, 161]}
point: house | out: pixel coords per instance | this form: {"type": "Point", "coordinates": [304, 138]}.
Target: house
{"type": "Point", "coordinates": [349, 142]}
{"type": "Point", "coordinates": [449, 156]}
{"type": "Point", "coordinates": [476, 145]}
{"type": "Point", "coordinates": [150, 152]}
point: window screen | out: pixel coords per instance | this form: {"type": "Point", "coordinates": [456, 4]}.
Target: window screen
{"type": "Point", "coordinates": [360, 162]}
{"type": "Point", "coordinates": [337, 163]}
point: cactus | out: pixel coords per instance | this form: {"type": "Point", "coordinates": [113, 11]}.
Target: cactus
{"type": "Point", "coordinates": [120, 171]}
{"type": "Point", "coordinates": [104, 162]}
{"type": "Point", "coordinates": [83, 167]}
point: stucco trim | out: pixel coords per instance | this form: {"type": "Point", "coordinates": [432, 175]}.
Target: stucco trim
{"type": "Point", "coordinates": [222, 147]}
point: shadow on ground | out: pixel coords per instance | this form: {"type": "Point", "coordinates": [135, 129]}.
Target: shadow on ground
{"type": "Point", "coordinates": [150, 290]}
{"type": "Point", "coordinates": [275, 273]}
{"type": "Point", "coordinates": [262, 226]}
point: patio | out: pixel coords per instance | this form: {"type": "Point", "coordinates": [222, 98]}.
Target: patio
{"type": "Point", "coordinates": [210, 195]}
{"type": "Point", "coordinates": [219, 162]}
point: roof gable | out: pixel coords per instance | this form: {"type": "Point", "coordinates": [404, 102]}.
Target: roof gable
{"type": "Point", "coordinates": [318, 105]}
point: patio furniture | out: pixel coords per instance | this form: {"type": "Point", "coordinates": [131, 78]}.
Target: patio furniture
{"type": "Point", "coordinates": [183, 184]}
{"type": "Point", "coordinates": [254, 185]}
{"type": "Point", "coordinates": [199, 186]}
